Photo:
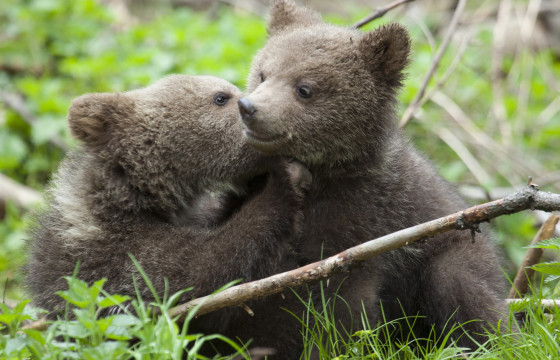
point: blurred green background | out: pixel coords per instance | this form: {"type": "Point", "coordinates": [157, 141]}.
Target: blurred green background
{"type": "Point", "coordinates": [490, 117]}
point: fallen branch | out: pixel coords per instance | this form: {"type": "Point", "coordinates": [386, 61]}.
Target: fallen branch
{"type": "Point", "coordinates": [525, 274]}
{"type": "Point", "coordinates": [379, 12]}
{"type": "Point", "coordinates": [478, 194]}
{"type": "Point", "coordinates": [527, 198]}
{"type": "Point", "coordinates": [414, 105]}
{"type": "Point", "coordinates": [21, 195]}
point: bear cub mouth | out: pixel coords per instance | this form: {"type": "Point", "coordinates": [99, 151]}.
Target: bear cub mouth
{"type": "Point", "coordinates": [262, 142]}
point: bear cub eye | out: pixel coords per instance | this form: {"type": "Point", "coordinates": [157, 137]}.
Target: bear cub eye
{"type": "Point", "coordinates": [221, 99]}
{"type": "Point", "coordinates": [305, 91]}
{"type": "Point", "coordinates": [261, 75]}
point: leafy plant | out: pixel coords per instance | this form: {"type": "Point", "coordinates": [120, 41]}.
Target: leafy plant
{"type": "Point", "coordinates": [84, 334]}
{"type": "Point", "coordinates": [550, 268]}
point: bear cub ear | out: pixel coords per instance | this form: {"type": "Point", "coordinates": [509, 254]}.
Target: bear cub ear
{"type": "Point", "coordinates": [285, 13]}
{"type": "Point", "coordinates": [385, 52]}
{"type": "Point", "coordinates": [92, 117]}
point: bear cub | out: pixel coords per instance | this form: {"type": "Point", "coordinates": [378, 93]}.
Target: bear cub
{"type": "Point", "coordinates": [148, 180]}
{"type": "Point", "coordinates": [326, 96]}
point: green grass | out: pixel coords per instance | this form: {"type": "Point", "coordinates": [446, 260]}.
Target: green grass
{"type": "Point", "coordinates": [147, 332]}
{"type": "Point", "coordinates": [53, 51]}
{"type": "Point", "coordinates": [143, 334]}
{"type": "Point", "coordinates": [536, 336]}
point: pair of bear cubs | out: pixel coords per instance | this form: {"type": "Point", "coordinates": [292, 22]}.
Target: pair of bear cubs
{"type": "Point", "coordinates": [170, 174]}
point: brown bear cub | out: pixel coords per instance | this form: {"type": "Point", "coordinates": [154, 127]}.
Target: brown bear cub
{"type": "Point", "coordinates": [326, 96]}
{"type": "Point", "coordinates": [144, 181]}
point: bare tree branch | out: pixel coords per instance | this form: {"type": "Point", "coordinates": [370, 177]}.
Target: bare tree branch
{"type": "Point", "coordinates": [409, 112]}
{"type": "Point", "coordinates": [21, 195]}
{"type": "Point", "coordinates": [379, 12]}
{"type": "Point", "coordinates": [477, 193]}
{"type": "Point", "coordinates": [527, 198]}
{"type": "Point", "coordinates": [525, 274]}
{"type": "Point", "coordinates": [17, 104]}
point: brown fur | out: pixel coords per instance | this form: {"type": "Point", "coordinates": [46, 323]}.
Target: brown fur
{"type": "Point", "coordinates": [368, 180]}
{"type": "Point", "coordinates": [148, 180]}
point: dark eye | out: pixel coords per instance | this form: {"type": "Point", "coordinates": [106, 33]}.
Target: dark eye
{"type": "Point", "coordinates": [305, 91]}
{"type": "Point", "coordinates": [262, 77]}
{"type": "Point", "coordinates": [221, 99]}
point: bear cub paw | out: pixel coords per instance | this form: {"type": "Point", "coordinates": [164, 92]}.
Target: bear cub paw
{"type": "Point", "coordinates": [299, 176]}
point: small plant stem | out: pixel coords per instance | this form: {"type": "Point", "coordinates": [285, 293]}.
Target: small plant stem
{"type": "Point", "coordinates": [525, 274]}
{"type": "Point", "coordinates": [379, 12]}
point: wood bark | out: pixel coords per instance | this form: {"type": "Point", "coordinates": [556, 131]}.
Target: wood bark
{"type": "Point", "coordinates": [529, 198]}
{"type": "Point", "coordinates": [525, 274]}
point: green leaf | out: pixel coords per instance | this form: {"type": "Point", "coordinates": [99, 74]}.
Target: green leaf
{"type": "Point", "coordinates": [47, 127]}
{"type": "Point", "coordinates": [77, 293]}
{"type": "Point", "coordinates": [106, 350]}
{"type": "Point", "coordinates": [552, 243]}
{"type": "Point", "coordinates": [112, 300]}
{"type": "Point", "coordinates": [120, 327]}
{"type": "Point", "coordinates": [550, 268]}
{"type": "Point", "coordinates": [12, 151]}
{"type": "Point", "coordinates": [35, 335]}
{"type": "Point", "coordinates": [15, 345]}
{"type": "Point", "coordinates": [73, 329]}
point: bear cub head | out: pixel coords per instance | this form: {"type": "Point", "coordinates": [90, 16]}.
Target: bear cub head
{"type": "Point", "coordinates": [319, 92]}
{"type": "Point", "coordinates": [162, 148]}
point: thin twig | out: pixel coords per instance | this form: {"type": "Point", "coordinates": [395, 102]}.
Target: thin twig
{"type": "Point", "coordinates": [522, 165]}
{"type": "Point", "coordinates": [465, 155]}
{"type": "Point", "coordinates": [421, 24]}
{"type": "Point", "coordinates": [411, 109]}
{"type": "Point", "coordinates": [254, 7]}
{"type": "Point", "coordinates": [525, 274]}
{"type": "Point", "coordinates": [40, 325]}
{"type": "Point", "coordinates": [527, 198]}
{"type": "Point", "coordinates": [498, 50]}
{"type": "Point", "coordinates": [450, 70]}
{"type": "Point", "coordinates": [17, 104]}
{"type": "Point", "coordinates": [379, 12]}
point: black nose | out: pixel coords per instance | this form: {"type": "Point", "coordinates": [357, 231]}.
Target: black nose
{"type": "Point", "coordinates": [247, 110]}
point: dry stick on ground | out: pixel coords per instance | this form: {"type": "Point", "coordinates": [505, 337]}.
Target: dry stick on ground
{"type": "Point", "coordinates": [21, 195]}
{"type": "Point", "coordinates": [527, 198]}
{"type": "Point", "coordinates": [525, 274]}
{"type": "Point", "coordinates": [411, 109]}
{"type": "Point", "coordinates": [17, 104]}
{"type": "Point", "coordinates": [379, 12]}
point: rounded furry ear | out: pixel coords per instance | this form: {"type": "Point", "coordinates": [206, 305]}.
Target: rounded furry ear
{"type": "Point", "coordinates": [92, 117]}
{"type": "Point", "coordinates": [285, 13]}
{"type": "Point", "coordinates": [385, 52]}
